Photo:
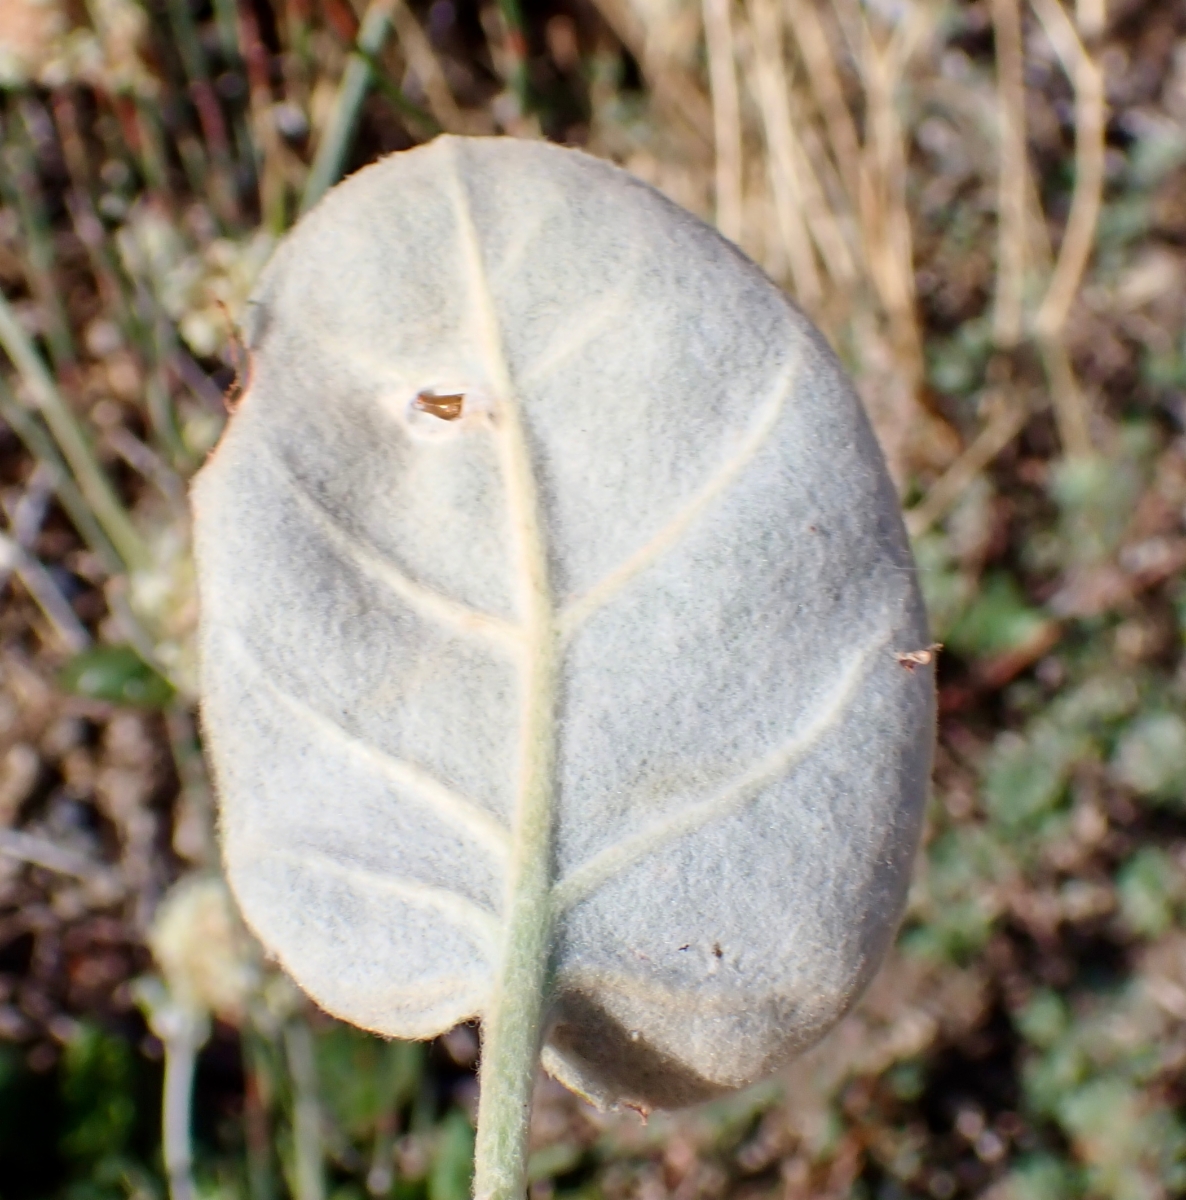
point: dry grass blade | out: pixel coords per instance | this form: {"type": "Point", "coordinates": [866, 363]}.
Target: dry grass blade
{"type": "Point", "coordinates": [820, 61]}
{"type": "Point", "coordinates": [27, 517]}
{"type": "Point", "coordinates": [675, 92]}
{"type": "Point", "coordinates": [270, 165]}
{"type": "Point", "coordinates": [41, 852]}
{"type": "Point", "coordinates": [889, 246]}
{"type": "Point", "coordinates": [1092, 16]}
{"type": "Point", "coordinates": [726, 116]}
{"type": "Point", "coordinates": [1079, 238]}
{"type": "Point", "coordinates": [834, 223]}
{"type": "Point", "coordinates": [1070, 406]}
{"type": "Point", "coordinates": [772, 88]}
{"type": "Point", "coordinates": [1003, 426]}
{"type": "Point", "coordinates": [1066, 394]}
{"type": "Point", "coordinates": [822, 223]}
{"type": "Point", "coordinates": [1013, 175]}
{"type": "Point", "coordinates": [422, 58]}
{"type": "Point", "coordinates": [48, 596]}
{"type": "Point", "coordinates": [72, 441]}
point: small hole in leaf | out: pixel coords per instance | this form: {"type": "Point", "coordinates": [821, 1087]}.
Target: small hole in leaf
{"type": "Point", "coordinates": [446, 408]}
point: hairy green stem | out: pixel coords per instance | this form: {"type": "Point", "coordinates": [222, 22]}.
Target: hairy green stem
{"type": "Point", "coordinates": [512, 1022]}
{"type": "Point", "coordinates": [306, 1112]}
{"type": "Point", "coordinates": [181, 1050]}
{"type": "Point", "coordinates": [512, 1026]}
{"type": "Point", "coordinates": [183, 1029]}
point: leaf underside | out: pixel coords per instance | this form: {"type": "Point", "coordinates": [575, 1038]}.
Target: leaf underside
{"type": "Point", "coordinates": [660, 484]}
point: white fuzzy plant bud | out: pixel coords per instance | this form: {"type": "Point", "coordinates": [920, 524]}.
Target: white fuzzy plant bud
{"type": "Point", "coordinates": [554, 598]}
{"type": "Point", "coordinates": [202, 949]}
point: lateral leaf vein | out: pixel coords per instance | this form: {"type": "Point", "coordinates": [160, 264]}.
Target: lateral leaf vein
{"type": "Point", "coordinates": [573, 614]}
{"type": "Point", "coordinates": [474, 920]}
{"type": "Point", "coordinates": [426, 601]}
{"type": "Point", "coordinates": [417, 784]}
{"type": "Point", "coordinates": [615, 859]}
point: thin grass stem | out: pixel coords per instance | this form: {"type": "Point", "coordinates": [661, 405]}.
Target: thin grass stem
{"type": "Point", "coordinates": [423, 60]}
{"type": "Point", "coordinates": [726, 116]}
{"type": "Point", "coordinates": [772, 87]}
{"type": "Point", "coordinates": [399, 101]}
{"type": "Point", "coordinates": [46, 594]}
{"type": "Point", "coordinates": [1087, 197]}
{"type": "Point", "coordinates": [1071, 409]}
{"type": "Point", "coordinates": [306, 1112]}
{"type": "Point", "coordinates": [269, 153]}
{"type": "Point", "coordinates": [23, 189]}
{"type": "Point", "coordinates": [516, 53]}
{"type": "Point", "coordinates": [824, 76]}
{"type": "Point", "coordinates": [92, 481]}
{"type": "Point", "coordinates": [1013, 171]}
{"type": "Point", "coordinates": [334, 145]}
{"type": "Point", "coordinates": [40, 445]}
{"type": "Point", "coordinates": [1006, 422]}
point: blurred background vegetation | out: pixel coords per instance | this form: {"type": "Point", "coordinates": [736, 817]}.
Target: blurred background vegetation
{"type": "Point", "coordinates": [983, 204]}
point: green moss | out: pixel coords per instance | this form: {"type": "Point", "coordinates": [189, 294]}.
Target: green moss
{"type": "Point", "coordinates": [1151, 757]}
{"type": "Point", "coordinates": [997, 621]}
{"type": "Point", "coordinates": [1150, 889]}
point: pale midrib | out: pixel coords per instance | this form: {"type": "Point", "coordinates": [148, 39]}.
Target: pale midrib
{"type": "Point", "coordinates": [579, 610]}
{"type": "Point", "coordinates": [424, 600]}
{"type": "Point", "coordinates": [615, 859]}
{"type": "Point", "coordinates": [433, 797]}
{"type": "Point", "coordinates": [481, 925]}
{"type": "Point", "coordinates": [512, 1019]}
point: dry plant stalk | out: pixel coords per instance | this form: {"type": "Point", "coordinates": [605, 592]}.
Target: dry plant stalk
{"type": "Point", "coordinates": [1079, 237]}
{"type": "Point", "coordinates": [674, 91]}
{"type": "Point", "coordinates": [422, 58]}
{"type": "Point", "coordinates": [1092, 16]}
{"type": "Point", "coordinates": [772, 87]}
{"type": "Point", "coordinates": [726, 116]}
{"type": "Point", "coordinates": [840, 202]}
{"type": "Point", "coordinates": [886, 220]}
{"type": "Point", "coordinates": [1013, 173]}
{"type": "Point", "coordinates": [816, 52]}
{"type": "Point", "coordinates": [1008, 418]}
{"type": "Point", "coordinates": [789, 128]}
{"type": "Point", "coordinates": [266, 133]}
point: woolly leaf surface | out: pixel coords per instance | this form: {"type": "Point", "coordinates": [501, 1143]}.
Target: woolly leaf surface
{"type": "Point", "coordinates": [740, 757]}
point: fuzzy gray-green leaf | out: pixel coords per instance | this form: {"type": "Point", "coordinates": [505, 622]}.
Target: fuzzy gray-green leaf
{"type": "Point", "coordinates": [655, 540]}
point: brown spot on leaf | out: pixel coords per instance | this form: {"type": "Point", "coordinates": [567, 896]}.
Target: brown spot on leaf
{"type": "Point", "coordinates": [447, 408]}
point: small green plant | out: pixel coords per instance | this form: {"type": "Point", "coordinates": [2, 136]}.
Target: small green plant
{"type": "Point", "coordinates": [562, 659]}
